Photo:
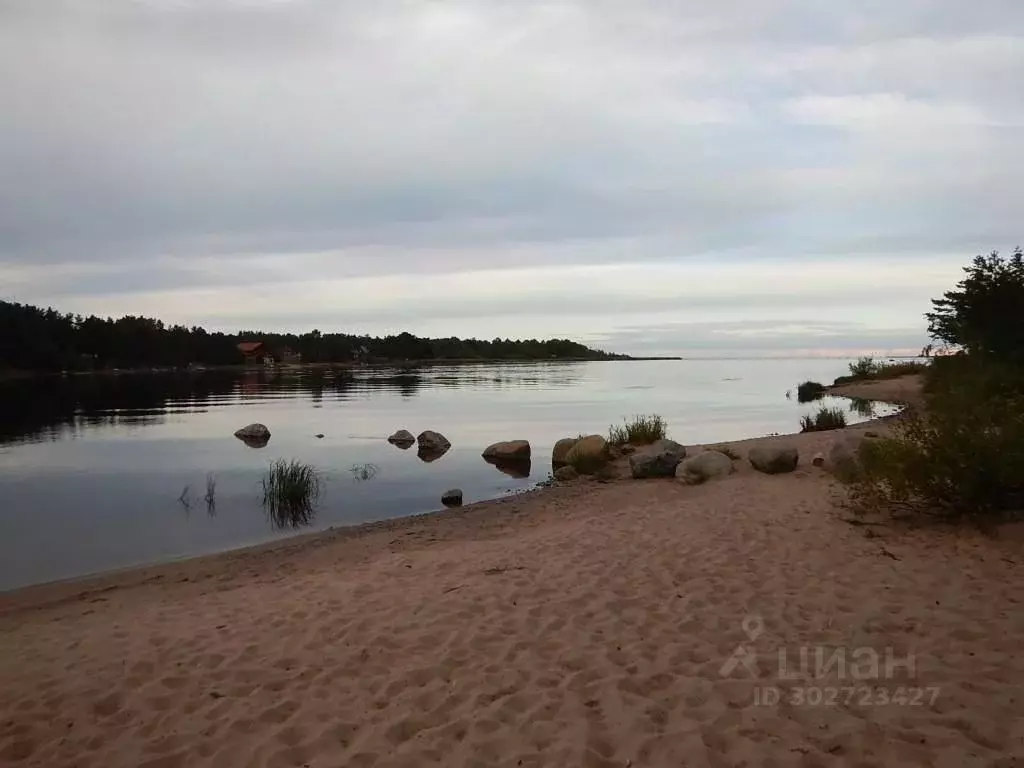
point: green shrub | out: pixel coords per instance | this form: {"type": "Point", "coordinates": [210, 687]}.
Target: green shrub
{"type": "Point", "coordinates": [809, 391]}
{"type": "Point", "coordinates": [641, 430]}
{"type": "Point", "coordinates": [290, 492]}
{"type": "Point", "coordinates": [825, 418]}
{"type": "Point", "coordinates": [867, 369]}
{"type": "Point", "coordinates": [961, 457]}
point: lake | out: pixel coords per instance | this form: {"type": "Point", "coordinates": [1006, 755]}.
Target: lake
{"type": "Point", "coordinates": [109, 471]}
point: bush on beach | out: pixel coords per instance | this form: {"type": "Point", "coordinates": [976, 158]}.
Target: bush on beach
{"type": "Point", "coordinates": [869, 369]}
{"type": "Point", "coordinates": [961, 457]}
{"type": "Point", "coordinates": [824, 419]}
{"type": "Point", "coordinates": [640, 430]}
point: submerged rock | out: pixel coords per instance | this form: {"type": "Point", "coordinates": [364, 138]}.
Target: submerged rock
{"type": "Point", "coordinates": [659, 459]}
{"type": "Point", "coordinates": [431, 442]}
{"type": "Point", "coordinates": [254, 435]}
{"type": "Point", "coordinates": [254, 431]}
{"type": "Point", "coordinates": [403, 438]}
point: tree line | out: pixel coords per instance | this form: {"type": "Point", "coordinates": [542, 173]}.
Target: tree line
{"type": "Point", "coordinates": [36, 339]}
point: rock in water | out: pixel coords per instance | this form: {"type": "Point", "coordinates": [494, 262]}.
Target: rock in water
{"type": "Point", "coordinates": [818, 460]}
{"type": "Point", "coordinates": [774, 460]}
{"type": "Point", "coordinates": [659, 459]}
{"type": "Point", "coordinates": [433, 442]}
{"type": "Point", "coordinates": [566, 474]}
{"type": "Point", "coordinates": [703, 467]}
{"type": "Point", "coordinates": [403, 438]}
{"type": "Point", "coordinates": [511, 450]}
{"type": "Point", "coordinates": [452, 497]}
{"type": "Point", "coordinates": [254, 435]}
{"type": "Point", "coordinates": [254, 431]}
{"type": "Point", "coordinates": [561, 450]}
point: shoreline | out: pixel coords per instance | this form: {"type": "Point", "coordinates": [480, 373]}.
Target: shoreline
{"type": "Point", "coordinates": [592, 624]}
{"type": "Point", "coordinates": [893, 391]}
{"type": "Point", "coordinates": [341, 366]}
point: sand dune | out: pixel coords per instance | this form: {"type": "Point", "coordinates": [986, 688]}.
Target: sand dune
{"type": "Point", "coordinates": [585, 625]}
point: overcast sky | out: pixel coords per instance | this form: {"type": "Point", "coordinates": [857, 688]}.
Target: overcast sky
{"type": "Point", "coordinates": [688, 177]}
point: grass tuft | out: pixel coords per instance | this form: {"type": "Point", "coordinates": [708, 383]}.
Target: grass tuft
{"type": "Point", "coordinates": [290, 492]}
{"type": "Point", "coordinates": [824, 419]}
{"type": "Point", "coordinates": [640, 430]}
{"type": "Point", "coordinates": [729, 451]}
{"type": "Point", "coordinates": [211, 494]}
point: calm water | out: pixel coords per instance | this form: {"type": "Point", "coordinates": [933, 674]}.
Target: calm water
{"type": "Point", "coordinates": [105, 472]}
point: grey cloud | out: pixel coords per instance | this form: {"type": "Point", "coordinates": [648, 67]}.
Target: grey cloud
{"type": "Point", "coordinates": [441, 137]}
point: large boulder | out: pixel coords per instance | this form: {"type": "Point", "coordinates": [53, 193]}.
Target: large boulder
{"type": "Point", "coordinates": [511, 450]}
{"type": "Point", "coordinates": [843, 453]}
{"type": "Point", "coordinates": [403, 438]}
{"type": "Point", "coordinates": [588, 454]}
{"type": "Point", "coordinates": [703, 467]}
{"type": "Point", "coordinates": [561, 450]}
{"type": "Point", "coordinates": [774, 459]}
{"type": "Point", "coordinates": [659, 459]}
{"type": "Point", "coordinates": [432, 442]}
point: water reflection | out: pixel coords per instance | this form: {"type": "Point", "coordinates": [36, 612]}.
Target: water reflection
{"type": "Point", "coordinates": [363, 472]}
{"type": "Point", "coordinates": [430, 455]}
{"type": "Point", "coordinates": [519, 468]}
{"type": "Point", "coordinates": [863, 407]}
{"type": "Point", "coordinates": [57, 407]}
{"type": "Point", "coordinates": [254, 441]}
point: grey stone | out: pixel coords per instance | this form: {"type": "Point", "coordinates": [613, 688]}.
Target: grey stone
{"type": "Point", "coordinates": [253, 432]}
{"type": "Point", "coordinates": [433, 442]}
{"type": "Point", "coordinates": [403, 438]}
{"type": "Point", "coordinates": [452, 497]}
{"type": "Point", "coordinates": [659, 459]}
{"type": "Point", "coordinates": [774, 459]}
{"type": "Point", "coordinates": [705, 466]}
{"type": "Point", "coordinates": [517, 450]}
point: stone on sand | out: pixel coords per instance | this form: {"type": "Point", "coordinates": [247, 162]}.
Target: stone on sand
{"type": "Point", "coordinates": [774, 459]}
{"type": "Point", "coordinates": [659, 459]}
{"type": "Point", "coordinates": [705, 466]}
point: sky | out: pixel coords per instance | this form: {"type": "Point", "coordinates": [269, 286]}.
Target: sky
{"type": "Point", "coordinates": [695, 178]}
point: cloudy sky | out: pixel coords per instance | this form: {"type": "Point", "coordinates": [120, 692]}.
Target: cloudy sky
{"type": "Point", "coordinates": [689, 177]}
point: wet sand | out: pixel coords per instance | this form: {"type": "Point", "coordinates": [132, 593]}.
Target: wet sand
{"type": "Point", "coordinates": [590, 624]}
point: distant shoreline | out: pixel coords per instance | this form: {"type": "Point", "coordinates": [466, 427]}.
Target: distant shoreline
{"type": "Point", "coordinates": [401, 364]}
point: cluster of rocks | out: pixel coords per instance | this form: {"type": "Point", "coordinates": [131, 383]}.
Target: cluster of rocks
{"type": "Point", "coordinates": [591, 454]}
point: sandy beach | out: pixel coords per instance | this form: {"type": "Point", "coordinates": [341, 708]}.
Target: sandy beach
{"type": "Point", "coordinates": [609, 625]}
